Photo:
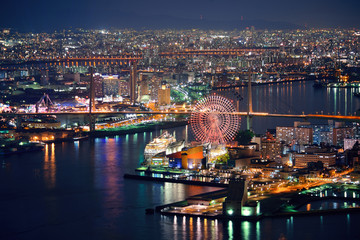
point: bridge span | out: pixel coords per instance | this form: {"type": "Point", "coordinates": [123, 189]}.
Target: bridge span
{"type": "Point", "coordinates": [251, 114]}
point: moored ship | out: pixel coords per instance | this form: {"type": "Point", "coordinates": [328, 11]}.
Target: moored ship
{"type": "Point", "coordinates": [16, 146]}
{"type": "Point", "coordinates": [158, 145]}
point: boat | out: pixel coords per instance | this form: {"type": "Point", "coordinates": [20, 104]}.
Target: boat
{"type": "Point", "coordinates": [343, 85]}
{"type": "Point", "coordinates": [80, 137]}
{"type": "Point", "coordinates": [356, 94]}
{"type": "Point", "coordinates": [16, 146]}
{"type": "Point", "coordinates": [158, 145]}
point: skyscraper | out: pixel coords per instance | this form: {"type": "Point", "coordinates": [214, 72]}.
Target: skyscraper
{"type": "Point", "coordinates": [164, 95]}
{"type": "Point", "coordinates": [133, 80]}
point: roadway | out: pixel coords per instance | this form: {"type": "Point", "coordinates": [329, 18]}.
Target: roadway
{"type": "Point", "coordinates": [252, 114]}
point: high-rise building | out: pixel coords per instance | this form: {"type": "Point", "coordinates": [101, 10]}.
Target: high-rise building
{"type": "Point", "coordinates": [270, 148]}
{"type": "Point", "coordinates": [133, 81]}
{"type": "Point", "coordinates": [144, 86]}
{"type": "Point", "coordinates": [164, 95]}
{"type": "Point", "coordinates": [285, 134]}
{"type": "Point", "coordinates": [154, 85]}
{"type": "Point", "coordinates": [98, 85]}
{"type": "Point", "coordinates": [303, 135]}
{"type": "Point", "coordinates": [322, 133]}
{"type": "Point", "coordinates": [44, 80]}
{"type": "Point", "coordinates": [123, 87]}
{"type": "Point", "coordinates": [339, 134]}
{"type": "Point", "coordinates": [111, 85]}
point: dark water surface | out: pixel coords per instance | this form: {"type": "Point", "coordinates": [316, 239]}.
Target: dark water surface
{"type": "Point", "coordinates": [294, 98]}
{"type": "Point", "coordinates": [77, 191]}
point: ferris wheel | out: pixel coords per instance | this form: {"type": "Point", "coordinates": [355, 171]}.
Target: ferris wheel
{"type": "Point", "coordinates": [212, 120]}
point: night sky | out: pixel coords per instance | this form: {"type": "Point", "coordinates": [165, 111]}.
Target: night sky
{"type": "Point", "coordinates": [45, 15]}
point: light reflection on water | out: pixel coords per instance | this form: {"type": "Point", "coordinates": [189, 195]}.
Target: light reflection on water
{"type": "Point", "coordinates": [79, 188]}
{"type": "Point", "coordinates": [83, 188]}
{"type": "Point", "coordinates": [295, 98]}
{"type": "Point", "coordinates": [328, 204]}
{"type": "Point", "coordinates": [49, 166]}
{"type": "Point", "coordinates": [197, 228]}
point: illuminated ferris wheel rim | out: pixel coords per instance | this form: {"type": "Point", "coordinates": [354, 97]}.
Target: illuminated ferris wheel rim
{"type": "Point", "coordinates": [212, 120]}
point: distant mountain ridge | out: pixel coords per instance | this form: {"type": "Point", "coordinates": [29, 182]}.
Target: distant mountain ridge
{"type": "Point", "coordinates": [128, 20]}
{"type": "Point", "coordinates": [163, 21]}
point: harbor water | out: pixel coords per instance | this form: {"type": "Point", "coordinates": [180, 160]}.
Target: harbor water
{"type": "Point", "coordinates": [76, 190]}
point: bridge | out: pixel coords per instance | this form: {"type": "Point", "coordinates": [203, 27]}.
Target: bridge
{"type": "Point", "coordinates": [121, 60]}
{"type": "Point", "coordinates": [217, 52]}
{"type": "Point", "coordinates": [125, 58]}
{"type": "Point", "coordinates": [130, 60]}
{"type": "Point", "coordinates": [247, 114]}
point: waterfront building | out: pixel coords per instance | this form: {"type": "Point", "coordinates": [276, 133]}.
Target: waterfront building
{"type": "Point", "coordinates": [302, 160]}
{"type": "Point", "coordinates": [236, 203]}
{"type": "Point", "coordinates": [236, 198]}
{"type": "Point", "coordinates": [46, 135]}
{"type": "Point", "coordinates": [192, 158]}
{"type": "Point", "coordinates": [188, 158]}
{"type": "Point", "coordinates": [43, 122]}
{"type": "Point", "coordinates": [175, 160]}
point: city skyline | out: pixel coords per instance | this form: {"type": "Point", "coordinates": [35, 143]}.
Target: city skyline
{"type": "Point", "coordinates": [238, 133]}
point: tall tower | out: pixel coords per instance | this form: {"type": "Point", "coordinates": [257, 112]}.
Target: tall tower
{"type": "Point", "coordinates": [133, 80]}
{"type": "Point", "coordinates": [92, 91]}
{"type": "Point", "coordinates": [249, 116]}
{"type": "Point", "coordinates": [92, 101]}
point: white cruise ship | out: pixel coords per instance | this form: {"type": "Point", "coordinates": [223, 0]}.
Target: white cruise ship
{"type": "Point", "coordinates": [158, 145]}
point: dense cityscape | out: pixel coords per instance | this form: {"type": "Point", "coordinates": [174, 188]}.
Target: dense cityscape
{"type": "Point", "coordinates": [256, 124]}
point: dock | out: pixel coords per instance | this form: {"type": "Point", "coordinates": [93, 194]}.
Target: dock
{"type": "Point", "coordinates": [173, 180]}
